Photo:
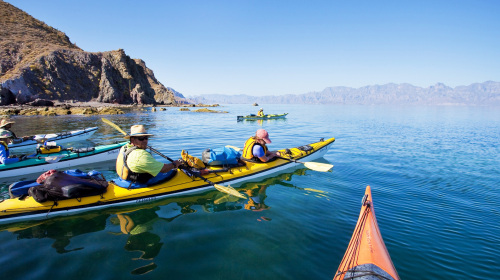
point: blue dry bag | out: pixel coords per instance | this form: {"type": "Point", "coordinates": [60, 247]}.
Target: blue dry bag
{"type": "Point", "coordinates": [220, 156]}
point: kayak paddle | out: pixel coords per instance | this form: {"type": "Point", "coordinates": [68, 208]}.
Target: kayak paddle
{"type": "Point", "coordinates": [316, 166]}
{"type": "Point", "coordinates": [225, 189]}
{"type": "Point", "coordinates": [229, 190]}
{"type": "Point", "coordinates": [53, 159]}
{"type": "Point", "coordinates": [112, 124]}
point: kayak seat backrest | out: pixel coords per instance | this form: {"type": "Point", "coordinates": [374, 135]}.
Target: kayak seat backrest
{"type": "Point", "coordinates": [160, 178]}
{"type": "Point", "coordinates": [79, 173]}
{"type": "Point", "coordinates": [20, 189]}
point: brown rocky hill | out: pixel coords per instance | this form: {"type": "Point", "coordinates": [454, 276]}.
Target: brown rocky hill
{"type": "Point", "coordinates": [40, 62]}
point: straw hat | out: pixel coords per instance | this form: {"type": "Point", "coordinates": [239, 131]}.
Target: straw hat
{"type": "Point", "coordinates": [5, 122]}
{"type": "Point", "coordinates": [6, 134]}
{"type": "Point", "coordinates": [137, 130]}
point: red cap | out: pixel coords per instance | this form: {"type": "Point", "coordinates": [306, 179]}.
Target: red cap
{"type": "Point", "coordinates": [262, 134]}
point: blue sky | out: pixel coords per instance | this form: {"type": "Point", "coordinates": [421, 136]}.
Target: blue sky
{"type": "Point", "coordinates": [288, 47]}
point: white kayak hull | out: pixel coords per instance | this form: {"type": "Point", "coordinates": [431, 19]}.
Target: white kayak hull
{"type": "Point", "coordinates": [65, 162]}
{"type": "Point", "coordinates": [59, 138]}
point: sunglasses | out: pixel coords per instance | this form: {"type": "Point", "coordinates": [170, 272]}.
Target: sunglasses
{"type": "Point", "coordinates": [142, 138]}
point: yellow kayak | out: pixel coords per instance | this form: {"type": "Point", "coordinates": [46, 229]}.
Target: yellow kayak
{"type": "Point", "coordinates": [14, 209]}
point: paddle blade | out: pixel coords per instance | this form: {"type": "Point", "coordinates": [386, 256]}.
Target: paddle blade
{"type": "Point", "coordinates": [234, 148]}
{"type": "Point", "coordinates": [229, 190]}
{"type": "Point", "coordinates": [40, 140]}
{"type": "Point", "coordinates": [224, 197]}
{"type": "Point", "coordinates": [53, 159]}
{"type": "Point", "coordinates": [313, 190]}
{"type": "Point", "coordinates": [112, 124]}
{"type": "Point", "coordinates": [317, 166]}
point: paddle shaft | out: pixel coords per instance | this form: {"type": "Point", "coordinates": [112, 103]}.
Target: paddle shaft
{"type": "Point", "coordinates": [191, 172]}
{"type": "Point", "coordinates": [228, 190]}
{"type": "Point", "coordinates": [160, 154]}
{"type": "Point", "coordinates": [292, 160]}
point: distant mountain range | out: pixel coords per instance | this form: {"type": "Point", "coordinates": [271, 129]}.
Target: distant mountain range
{"type": "Point", "coordinates": [479, 94]}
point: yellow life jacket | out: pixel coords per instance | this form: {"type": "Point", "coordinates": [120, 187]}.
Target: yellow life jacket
{"type": "Point", "coordinates": [124, 171]}
{"type": "Point", "coordinates": [5, 145]}
{"type": "Point", "coordinates": [121, 162]}
{"type": "Point", "coordinates": [260, 113]}
{"type": "Point", "coordinates": [248, 150]}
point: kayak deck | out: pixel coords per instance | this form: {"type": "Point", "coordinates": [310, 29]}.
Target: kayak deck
{"type": "Point", "coordinates": [63, 137]}
{"type": "Point", "coordinates": [366, 256]}
{"type": "Point", "coordinates": [13, 210]}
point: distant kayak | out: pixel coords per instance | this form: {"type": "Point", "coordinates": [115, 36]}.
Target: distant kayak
{"type": "Point", "coordinates": [265, 117]}
{"type": "Point", "coordinates": [64, 159]}
{"type": "Point", "coordinates": [366, 256]}
{"type": "Point", "coordinates": [60, 138]}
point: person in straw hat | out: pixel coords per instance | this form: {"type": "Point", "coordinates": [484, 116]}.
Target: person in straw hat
{"type": "Point", "coordinates": [5, 126]}
{"type": "Point", "coordinates": [5, 157]}
{"type": "Point", "coordinates": [135, 164]}
{"type": "Point", "coordinates": [255, 148]}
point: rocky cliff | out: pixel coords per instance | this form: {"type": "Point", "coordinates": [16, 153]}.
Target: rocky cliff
{"type": "Point", "coordinates": [40, 62]}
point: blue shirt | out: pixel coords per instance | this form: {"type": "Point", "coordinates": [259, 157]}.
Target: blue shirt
{"type": "Point", "coordinates": [4, 156]}
{"type": "Point", "coordinates": [258, 151]}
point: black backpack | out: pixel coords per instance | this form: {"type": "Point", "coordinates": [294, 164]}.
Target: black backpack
{"type": "Point", "coordinates": [60, 186]}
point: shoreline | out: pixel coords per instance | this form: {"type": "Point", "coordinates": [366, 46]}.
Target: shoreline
{"type": "Point", "coordinates": [82, 108]}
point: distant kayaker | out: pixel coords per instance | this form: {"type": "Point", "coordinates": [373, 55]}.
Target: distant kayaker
{"type": "Point", "coordinates": [135, 164]}
{"type": "Point", "coordinates": [255, 148]}
{"type": "Point", "coordinates": [260, 113]}
{"type": "Point", "coordinates": [5, 126]}
{"type": "Point", "coordinates": [5, 157]}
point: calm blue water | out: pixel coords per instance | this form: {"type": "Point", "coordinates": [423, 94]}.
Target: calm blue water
{"type": "Point", "coordinates": [434, 173]}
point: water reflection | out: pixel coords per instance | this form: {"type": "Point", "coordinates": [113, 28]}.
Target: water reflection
{"type": "Point", "coordinates": [262, 122]}
{"type": "Point", "coordinates": [139, 222]}
{"type": "Point", "coordinates": [138, 226]}
{"type": "Point", "coordinates": [61, 230]}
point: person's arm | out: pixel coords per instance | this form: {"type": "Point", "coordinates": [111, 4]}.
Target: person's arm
{"type": "Point", "coordinates": [4, 158]}
{"type": "Point", "coordinates": [17, 140]}
{"type": "Point", "coordinates": [269, 155]}
{"type": "Point", "coordinates": [273, 154]}
{"type": "Point", "coordinates": [169, 166]}
{"type": "Point", "coordinates": [25, 138]}
{"type": "Point", "coordinates": [258, 151]}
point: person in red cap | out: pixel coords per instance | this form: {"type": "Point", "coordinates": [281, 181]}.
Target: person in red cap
{"type": "Point", "coordinates": [255, 148]}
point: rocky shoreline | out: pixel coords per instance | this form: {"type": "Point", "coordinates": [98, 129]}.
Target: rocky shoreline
{"type": "Point", "coordinates": [82, 108]}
